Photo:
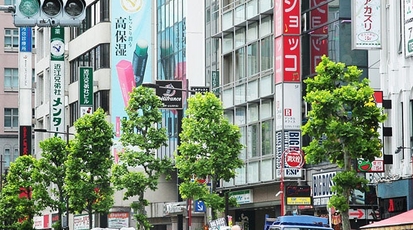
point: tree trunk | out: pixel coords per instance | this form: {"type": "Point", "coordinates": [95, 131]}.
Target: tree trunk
{"type": "Point", "coordinates": [90, 213]}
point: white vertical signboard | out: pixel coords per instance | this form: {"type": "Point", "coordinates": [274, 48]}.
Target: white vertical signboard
{"type": "Point", "coordinates": [408, 27]}
{"type": "Point", "coordinates": [366, 24]}
{"type": "Point", "coordinates": [57, 72]}
{"type": "Point", "coordinates": [25, 90]}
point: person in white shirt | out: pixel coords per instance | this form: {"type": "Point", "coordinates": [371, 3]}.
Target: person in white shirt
{"type": "Point", "coordinates": [235, 227]}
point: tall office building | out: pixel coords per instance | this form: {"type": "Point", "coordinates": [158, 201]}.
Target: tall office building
{"type": "Point", "coordinates": [256, 65]}
{"type": "Point", "coordinates": [125, 43]}
{"type": "Point", "coordinates": [9, 88]}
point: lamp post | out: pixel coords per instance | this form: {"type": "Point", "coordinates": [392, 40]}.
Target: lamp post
{"type": "Point", "coordinates": [282, 184]}
{"type": "Point", "coordinates": [67, 133]}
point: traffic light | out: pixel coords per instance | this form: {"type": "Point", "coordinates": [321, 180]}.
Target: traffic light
{"type": "Point", "coordinates": [49, 13]}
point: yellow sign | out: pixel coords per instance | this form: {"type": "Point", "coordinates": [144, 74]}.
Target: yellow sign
{"type": "Point", "coordinates": [298, 200]}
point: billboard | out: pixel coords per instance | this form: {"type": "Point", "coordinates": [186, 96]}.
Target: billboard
{"type": "Point", "coordinates": [86, 90]}
{"type": "Point", "coordinates": [408, 28]}
{"type": "Point", "coordinates": [366, 25]}
{"type": "Point", "coordinates": [130, 55]}
{"type": "Point", "coordinates": [57, 79]}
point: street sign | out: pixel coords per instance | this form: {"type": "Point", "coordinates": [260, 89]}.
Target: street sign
{"type": "Point", "coordinates": [294, 158]}
{"type": "Point", "coordinates": [199, 89]}
{"type": "Point", "coordinates": [362, 213]}
{"type": "Point", "coordinates": [170, 93]}
{"type": "Point", "coordinates": [199, 206]}
{"type": "Point", "coordinates": [356, 213]}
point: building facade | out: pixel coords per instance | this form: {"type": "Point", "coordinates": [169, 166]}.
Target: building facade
{"type": "Point", "coordinates": [125, 45]}
{"type": "Point", "coordinates": [9, 90]}
{"type": "Point", "coordinates": [258, 53]}
{"type": "Point", "coordinates": [240, 50]}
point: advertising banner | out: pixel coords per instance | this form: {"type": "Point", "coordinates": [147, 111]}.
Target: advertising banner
{"type": "Point", "coordinates": [57, 71]}
{"type": "Point", "coordinates": [25, 91]}
{"type": "Point", "coordinates": [169, 95]}
{"type": "Point", "coordinates": [85, 90]}
{"type": "Point", "coordinates": [366, 24]}
{"type": "Point", "coordinates": [118, 220]}
{"type": "Point", "coordinates": [131, 56]}
{"type": "Point", "coordinates": [319, 35]}
{"type": "Point", "coordinates": [408, 27]}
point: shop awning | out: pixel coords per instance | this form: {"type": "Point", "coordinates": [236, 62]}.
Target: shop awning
{"type": "Point", "coordinates": [401, 221]}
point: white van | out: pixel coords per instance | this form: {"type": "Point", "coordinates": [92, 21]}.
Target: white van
{"type": "Point", "coordinates": [300, 222]}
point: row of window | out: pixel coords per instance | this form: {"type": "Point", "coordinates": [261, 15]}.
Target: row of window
{"type": "Point", "coordinates": [96, 12]}
{"type": "Point", "coordinates": [97, 58]}
{"type": "Point", "coordinates": [11, 79]}
{"type": "Point", "coordinates": [10, 154]}
{"type": "Point", "coordinates": [101, 99]}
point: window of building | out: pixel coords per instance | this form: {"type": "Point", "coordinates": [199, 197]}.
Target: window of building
{"type": "Point", "coordinates": [96, 12]}
{"type": "Point", "coordinates": [240, 94]}
{"type": "Point", "coordinates": [253, 172]}
{"type": "Point", "coordinates": [9, 2]}
{"type": "Point", "coordinates": [228, 43]}
{"type": "Point", "coordinates": [9, 155]}
{"type": "Point", "coordinates": [101, 100]}
{"type": "Point", "coordinates": [97, 58]}
{"type": "Point", "coordinates": [11, 79]}
{"type": "Point", "coordinates": [240, 176]}
{"type": "Point", "coordinates": [266, 85]}
{"type": "Point", "coordinates": [252, 32]}
{"type": "Point", "coordinates": [243, 141]}
{"type": "Point", "coordinates": [240, 63]}
{"type": "Point", "coordinates": [253, 114]}
{"type": "Point", "coordinates": [252, 59]}
{"type": "Point", "coordinates": [266, 137]}
{"type": "Point", "coordinates": [240, 116]}
{"type": "Point", "coordinates": [229, 115]}
{"type": "Point", "coordinates": [11, 39]}
{"type": "Point", "coordinates": [253, 141]}
{"type": "Point", "coordinates": [74, 112]}
{"type": "Point", "coordinates": [228, 68]}
{"type": "Point", "coordinates": [266, 26]}
{"type": "Point", "coordinates": [11, 118]}
{"type": "Point", "coordinates": [266, 170]}
{"type": "Point", "coordinates": [266, 109]}
{"type": "Point", "coordinates": [239, 37]}
{"type": "Point", "coordinates": [267, 53]}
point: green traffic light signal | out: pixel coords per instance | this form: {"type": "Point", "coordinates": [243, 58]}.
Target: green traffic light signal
{"type": "Point", "coordinates": [29, 7]}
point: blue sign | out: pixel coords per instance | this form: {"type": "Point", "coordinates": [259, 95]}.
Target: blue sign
{"type": "Point", "coordinates": [199, 206]}
{"type": "Point", "coordinates": [25, 39]}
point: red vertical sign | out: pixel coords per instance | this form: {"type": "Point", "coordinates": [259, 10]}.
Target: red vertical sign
{"type": "Point", "coordinates": [287, 48]}
{"type": "Point", "coordinates": [318, 36]}
{"type": "Point", "coordinates": [292, 61]}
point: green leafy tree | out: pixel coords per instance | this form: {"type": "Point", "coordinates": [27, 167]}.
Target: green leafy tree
{"type": "Point", "coordinates": [209, 149]}
{"type": "Point", "coordinates": [343, 122]}
{"type": "Point", "coordinates": [141, 137]}
{"type": "Point", "coordinates": [54, 155]}
{"type": "Point", "coordinates": [23, 196]}
{"type": "Point", "coordinates": [88, 166]}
